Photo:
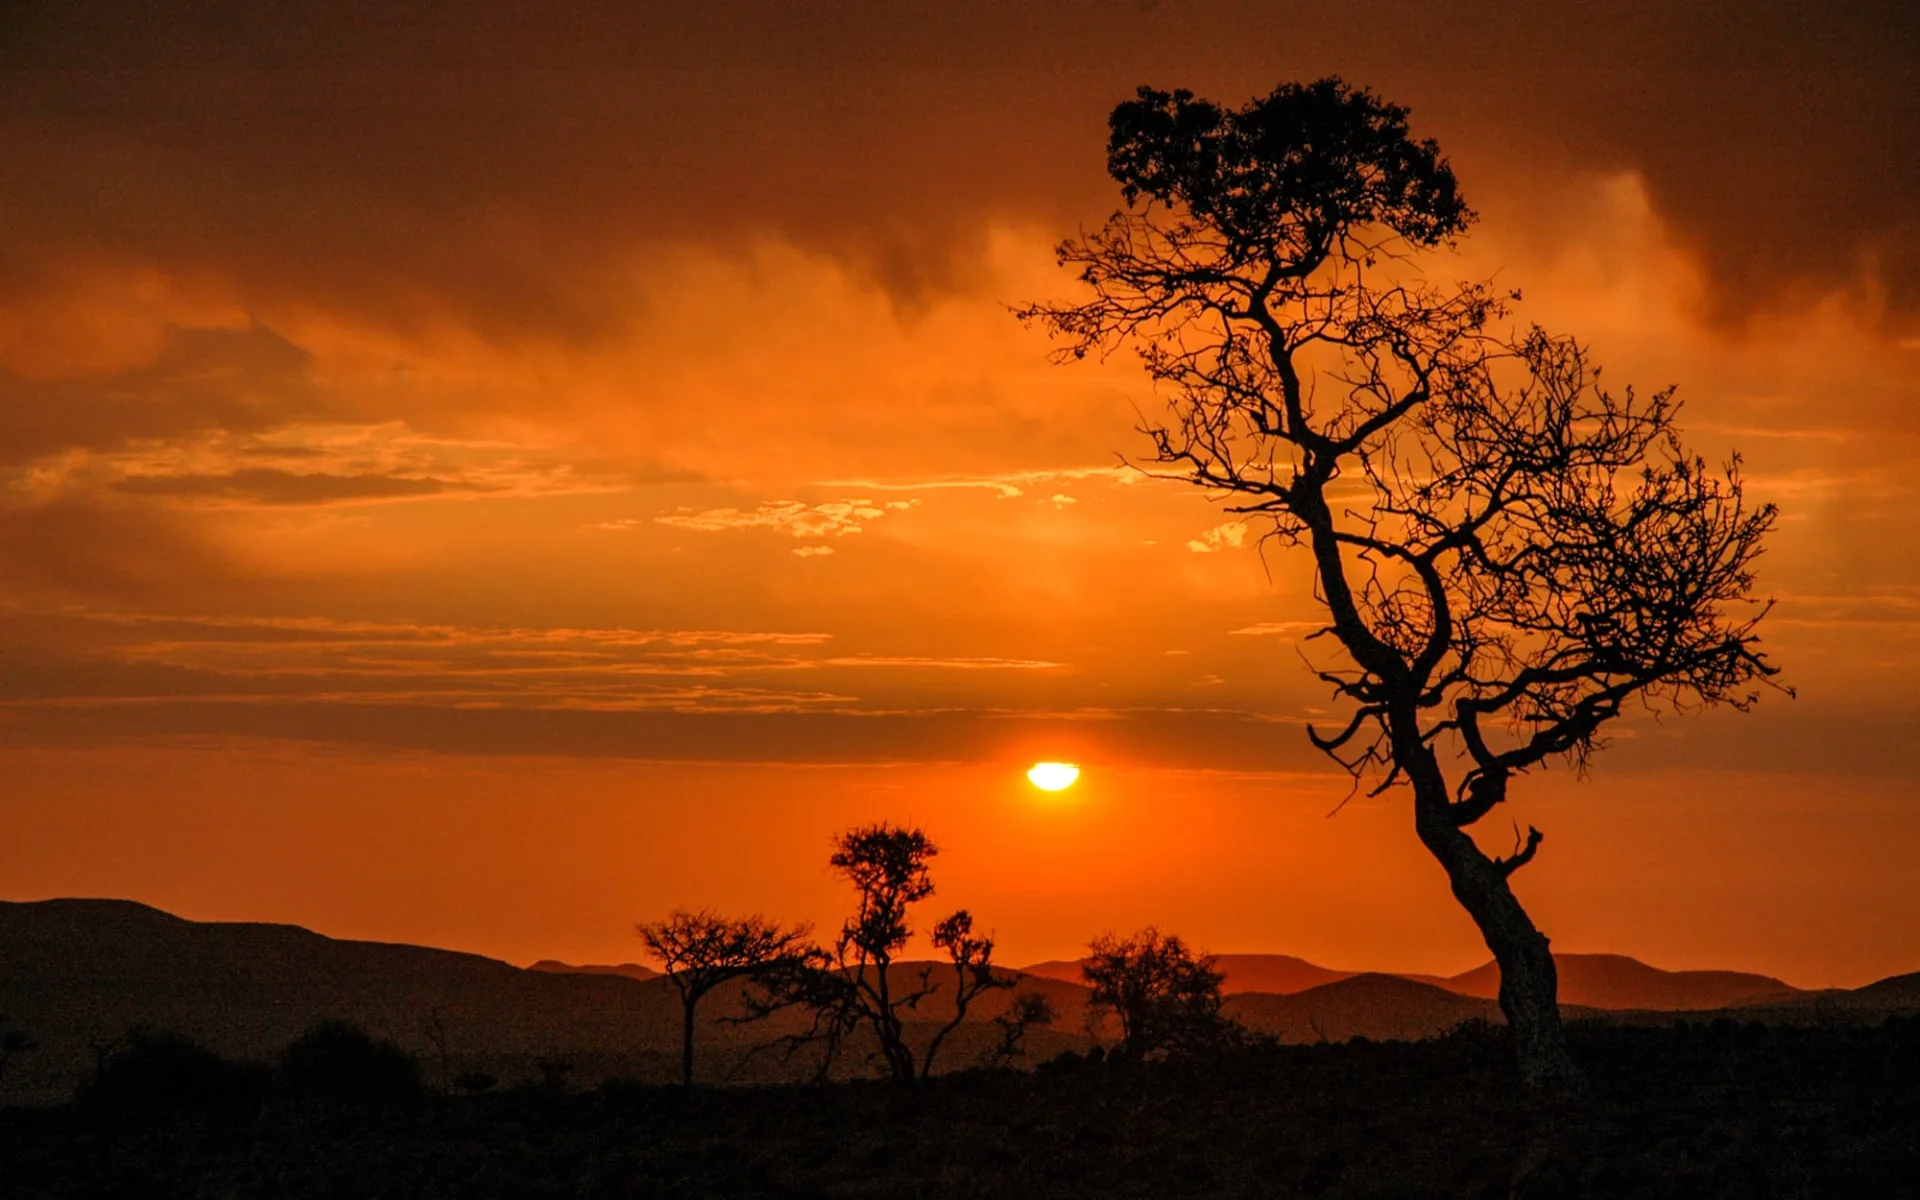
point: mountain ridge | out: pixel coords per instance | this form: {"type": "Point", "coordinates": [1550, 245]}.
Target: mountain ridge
{"type": "Point", "coordinates": [1603, 981]}
{"type": "Point", "coordinates": [76, 974]}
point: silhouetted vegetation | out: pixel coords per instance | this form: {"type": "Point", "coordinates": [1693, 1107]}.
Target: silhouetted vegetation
{"type": "Point", "coordinates": [699, 951]}
{"type": "Point", "coordinates": [13, 1043]}
{"type": "Point", "coordinates": [475, 1082]}
{"type": "Point", "coordinates": [154, 1072]}
{"type": "Point", "coordinates": [1509, 554]}
{"type": "Point", "coordinates": [1166, 998]}
{"type": "Point", "coordinates": [852, 987]}
{"type": "Point", "coordinates": [338, 1063]}
{"type": "Point", "coordinates": [1719, 1109]}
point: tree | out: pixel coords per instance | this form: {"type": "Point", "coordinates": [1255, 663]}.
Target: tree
{"type": "Point", "coordinates": [1509, 555]}
{"type": "Point", "coordinates": [699, 951]}
{"type": "Point", "coordinates": [1166, 997]}
{"type": "Point", "coordinates": [852, 985]}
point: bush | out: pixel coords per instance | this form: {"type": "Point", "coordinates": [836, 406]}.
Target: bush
{"type": "Point", "coordinates": [153, 1072]}
{"type": "Point", "coordinates": [340, 1063]}
{"type": "Point", "coordinates": [474, 1082]}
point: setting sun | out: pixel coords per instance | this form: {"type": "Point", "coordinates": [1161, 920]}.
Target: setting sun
{"type": "Point", "coordinates": [1053, 776]}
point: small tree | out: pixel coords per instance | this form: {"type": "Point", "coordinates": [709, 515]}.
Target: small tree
{"type": "Point", "coordinates": [1509, 555]}
{"type": "Point", "coordinates": [1024, 1012]}
{"type": "Point", "coordinates": [1166, 997]}
{"type": "Point", "coordinates": [699, 951]}
{"type": "Point", "coordinates": [853, 986]}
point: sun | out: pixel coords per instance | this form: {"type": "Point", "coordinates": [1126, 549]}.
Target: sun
{"type": "Point", "coordinates": [1053, 776]}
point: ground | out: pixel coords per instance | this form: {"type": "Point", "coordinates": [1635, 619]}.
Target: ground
{"type": "Point", "coordinates": [1696, 1110]}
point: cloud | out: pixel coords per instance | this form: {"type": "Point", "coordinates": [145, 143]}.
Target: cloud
{"type": "Point", "coordinates": [1229, 535]}
{"type": "Point", "coordinates": [142, 659]}
{"type": "Point", "coordinates": [401, 164]}
{"type": "Point", "coordinates": [312, 465]}
{"type": "Point", "coordinates": [1006, 486]}
{"type": "Point", "coordinates": [192, 380]}
{"type": "Point", "coordinates": [812, 551]}
{"type": "Point", "coordinates": [269, 486]}
{"type": "Point", "coordinates": [836, 518]}
{"type": "Point", "coordinates": [1275, 629]}
{"type": "Point", "coordinates": [944, 664]}
{"type": "Point", "coordinates": [72, 548]}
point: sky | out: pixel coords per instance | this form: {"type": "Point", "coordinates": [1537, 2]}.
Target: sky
{"type": "Point", "coordinates": [484, 475]}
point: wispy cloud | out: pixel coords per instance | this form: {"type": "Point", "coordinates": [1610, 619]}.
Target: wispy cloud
{"type": "Point", "coordinates": [944, 664]}
{"type": "Point", "coordinates": [272, 486]}
{"type": "Point", "coordinates": [285, 659]}
{"type": "Point", "coordinates": [313, 465]}
{"type": "Point", "coordinates": [835, 518]}
{"type": "Point", "coordinates": [1007, 485]}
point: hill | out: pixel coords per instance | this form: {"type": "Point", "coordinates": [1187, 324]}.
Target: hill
{"type": "Point", "coordinates": [1607, 981]}
{"type": "Point", "coordinates": [74, 973]}
{"type": "Point", "coordinates": [77, 974]}
{"type": "Point", "coordinates": [1898, 992]}
{"type": "Point", "coordinates": [1615, 981]}
{"type": "Point", "coordinates": [1370, 1005]}
{"type": "Point", "coordinates": [1279, 974]}
{"type": "Point", "coordinates": [630, 970]}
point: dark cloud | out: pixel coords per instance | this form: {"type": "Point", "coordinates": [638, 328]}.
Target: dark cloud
{"type": "Point", "coordinates": [234, 380]}
{"type": "Point", "coordinates": [1157, 739]}
{"type": "Point", "coordinates": [119, 707]}
{"type": "Point", "coordinates": [74, 548]}
{"type": "Point", "coordinates": [266, 485]}
{"type": "Point", "coordinates": [494, 157]}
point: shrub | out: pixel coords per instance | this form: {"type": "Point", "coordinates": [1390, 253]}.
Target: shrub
{"type": "Point", "coordinates": [153, 1072]}
{"type": "Point", "coordinates": [341, 1063]}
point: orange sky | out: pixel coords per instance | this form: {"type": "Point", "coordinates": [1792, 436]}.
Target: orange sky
{"type": "Point", "coordinates": [485, 482]}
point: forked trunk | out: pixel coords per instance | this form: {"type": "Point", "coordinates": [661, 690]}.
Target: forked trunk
{"type": "Point", "coordinates": [1529, 984]}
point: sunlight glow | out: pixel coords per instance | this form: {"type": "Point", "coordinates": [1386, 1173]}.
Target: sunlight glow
{"type": "Point", "coordinates": [1053, 776]}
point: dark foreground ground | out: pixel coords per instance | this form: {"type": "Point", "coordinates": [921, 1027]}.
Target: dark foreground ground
{"type": "Point", "coordinates": [1696, 1111]}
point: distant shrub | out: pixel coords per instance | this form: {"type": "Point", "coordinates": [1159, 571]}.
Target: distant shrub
{"type": "Point", "coordinates": [154, 1072]}
{"type": "Point", "coordinates": [474, 1082]}
{"type": "Point", "coordinates": [1167, 998]}
{"type": "Point", "coordinates": [554, 1072]}
{"type": "Point", "coordinates": [341, 1063]}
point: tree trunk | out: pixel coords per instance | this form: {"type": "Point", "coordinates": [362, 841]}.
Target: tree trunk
{"type": "Point", "coordinates": [686, 1040]}
{"type": "Point", "coordinates": [1529, 984]}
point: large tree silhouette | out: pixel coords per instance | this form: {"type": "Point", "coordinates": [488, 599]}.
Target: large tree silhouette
{"type": "Point", "coordinates": [1508, 554]}
{"type": "Point", "coordinates": [699, 951]}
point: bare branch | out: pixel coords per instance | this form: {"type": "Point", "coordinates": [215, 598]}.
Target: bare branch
{"type": "Point", "coordinates": [1522, 855]}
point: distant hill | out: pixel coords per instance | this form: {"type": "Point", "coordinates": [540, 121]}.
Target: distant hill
{"type": "Point", "coordinates": [630, 970]}
{"type": "Point", "coordinates": [1280, 974]}
{"type": "Point", "coordinates": [1896, 993]}
{"type": "Point", "coordinates": [1607, 981]}
{"type": "Point", "coordinates": [1614, 981]}
{"type": "Point", "coordinates": [75, 974]}
{"type": "Point", "coordinates": [1368, 1005]}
